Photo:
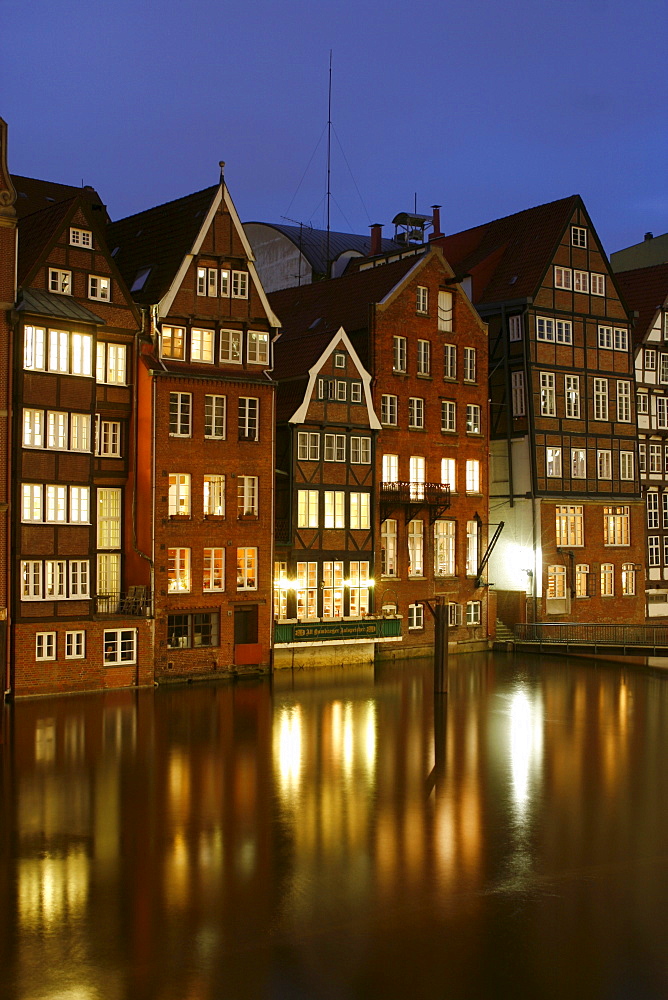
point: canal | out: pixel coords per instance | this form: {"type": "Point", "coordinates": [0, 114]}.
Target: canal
{"type": "Point", "coordinates": [337, 834]}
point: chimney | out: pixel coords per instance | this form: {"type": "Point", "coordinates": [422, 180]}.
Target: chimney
{"type": "Point", "coordinates": [376, 235]}
{"type": "Point", "coordinates": [649, 236]}
{"type": "Point", "coordinates": [435, 222]}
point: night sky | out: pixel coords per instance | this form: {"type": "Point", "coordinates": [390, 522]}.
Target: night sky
{"type": "Point", "coordinates": [483, 106]}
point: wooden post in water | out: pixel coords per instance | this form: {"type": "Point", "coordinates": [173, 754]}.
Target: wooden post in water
{"type": "Point", "coordinates": [440, 647]}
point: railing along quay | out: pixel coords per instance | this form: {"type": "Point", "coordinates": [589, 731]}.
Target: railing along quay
{"type": "Point", "coordinates": [634, 638]}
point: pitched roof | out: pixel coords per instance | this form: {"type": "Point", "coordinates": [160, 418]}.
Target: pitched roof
{"type": "Point", "coordinates": [320, 248]}
{"type": "Point", "coordinates": [645, 290]}
{"type": "Point", "coordinates": [158, 238]}
{"type": "Point", "coordinates": [36, 231]}
{"type": "Point", "coordinates": [507, 258]}
{"type": "Point", "coordinates": [33, 195]}
{"type": "Point", "coordinates": [40, 303]}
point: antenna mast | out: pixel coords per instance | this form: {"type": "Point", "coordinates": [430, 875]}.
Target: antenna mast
{"type": "Point", "coordinates": [329, 150]}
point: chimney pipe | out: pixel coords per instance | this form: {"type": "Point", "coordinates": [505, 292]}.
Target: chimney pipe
{"type": "Point", "coordinates": [436, 222]}
{"type": "Point", "coordinates": [649, 236]}
{"type": "Point", "coordinates": [376, 234]}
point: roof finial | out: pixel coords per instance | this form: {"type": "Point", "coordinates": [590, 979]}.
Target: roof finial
{"type": "Point", "coordinates": [221, 164]}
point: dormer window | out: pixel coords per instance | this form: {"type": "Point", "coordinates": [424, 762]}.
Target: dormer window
{"type": "Point", "coordinates": [60, 281]}
{"type": "Point", "coordinates": [578, 236]}
{"type": "Point", "coordinates": [99, 288]}
{"type": "Point", "coordinates": [81, 238]}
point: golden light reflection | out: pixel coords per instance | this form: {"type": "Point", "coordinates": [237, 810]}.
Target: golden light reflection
{"type": "Point", "coordinates": [288, 749]}
{"type": "Point", "coordinates": [179, 784]}
{"type": "Point", "coordinates": [177, 875]}
{"type": "Point", "coordinates": [347, 744]}
{"type": "Point", "coordinates": [52, 890]}
{"type": "Point", "coordinates": [370, 740]}
{"type": "Point", "coordinates": [526, 745]}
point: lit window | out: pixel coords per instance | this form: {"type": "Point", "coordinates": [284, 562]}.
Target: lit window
{"type": "Point", "coordinates": [628, 579]}
{"type": "Point", "coordinates": [179, 494]}
{"type": "Point", "coordinates": [258, 348]}
{"type": "Point", "coordinates": [307, 508]}
{"type": "Point", "coordinates": [360, 510]}
{"type": "Point", "coordinates": [99, 288]}
{"type": "Point", "coordinates": [390, 467]}
{"type": "Point", "coordinates": [108, 520]}
{"type": "Point", "coordinates": [607, 580]}
{"type": "Point", "coordinates": [388, 547]}
{"type": "Point", "coordinates": [416, 547]}
{"type": "Point", "coordinates": [34, 348]}
{"type": "Point", "coordinates": [335, 513]}
{"type": "Point", "coordinates": [582, 580]}
{"type": "Point", "coordinates": [472, 418]}
{"type": "Point", "coordinates": [556, 582]}
{"type": "Point", "coordinates": [569, 525]}
{"type": "Point", "coordinates": [214, 569]}
{"type": "Point", "coordinates": [214, 495]}
{"type": "Point", "coordinates": [472, 542]}
{"type": "Point", "coordinates": [247, 569]}
{"type": "Point", "coordinates": [307, 589]}
{"type": "Point", "coordinates": [33, 428]}
{"type": "Point", "coordinates": [178, 570]}
{"type": "Point", "coordinates": [173, 342]}
{"type": "Point", "coordinates": [201, 345]}
{"type": "Point", "coordinates": [225, 282]}
{"type": "Point", "coordinates": [111, 363]}
{"type": "Point", "coordinates": [472, 475]}
{"type": "Point", "coordinates": [60, 281]}
{"type": "Point", "coordinates": [207, 281]}
{"type": "Point", "coordinates": [417, 476]}
{"type": "Point", "coordinates": [553, 462]}
{"type": "Point", "coordinates": [358, 592]}
{"type": "Point", "coordinates": [449, 473]}
{"type": "Point", "coordinates": [444, 548]}
{"type": "Point", "coordinates": [31, 502]}
{"type": "Point", "coordinates": [332, 589]}
{"type": "Point", "coordinates": [617, 525]}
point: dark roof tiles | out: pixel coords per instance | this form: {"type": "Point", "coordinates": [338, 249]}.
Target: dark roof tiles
{"type": "Point", "coordinates": [644, 290]}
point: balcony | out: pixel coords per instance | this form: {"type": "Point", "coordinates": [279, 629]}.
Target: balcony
{"type": "Point", "coordinates": [137, 601]}
{"type": "Point", "coordinates": [414, 497]}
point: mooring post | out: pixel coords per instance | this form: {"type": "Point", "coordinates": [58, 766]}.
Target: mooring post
{"type": "Point", "coordinates": [440, 647]}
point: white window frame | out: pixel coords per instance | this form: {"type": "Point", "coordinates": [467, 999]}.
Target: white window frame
{"type": "Point", "coordinates": [248, 494]}
{"type": "Point", "coordinates": [173, 342]}
{"type": "Point", "coordinates": [448, 416]}
{"type": "Point", "coordinates": [563, 277]}
{"type": "Point", "coordinates": [119, 646]}
{"type": "Point", "coordinates": [360, 511]}
{"type": "Point", "coordinates": [230, 346]}
{"type": "Point", "coordinates": [399, 354]}
{"type": "Point", "coordinates": [75, 645]}
{"type": "Point", "coordinates": [179, 494]}
{"type": "Point", "coordinates": [424, 357]}
{"type": "Point", "coordinates": [213, 578]}
{"type": "Point", "coordinates": [416, 413]}
{"type": "Point", "coordinates": [572, 396]}
{"type": "Point", "coordinates": [597, 284]}
{"type": "Point", "coordinates": [415, 616]}
{"type": "Point", "coordinates": [215, 417]}
{"type": "Point", "coordinates": [308, 446]}
{"type": "Point", "coordinates": [178, 570]}
{"type": "Point", "coordinates": [578, 463]}
{"type": "Point", "coordinates": [111, 363]}
{"type": "Point", "coordinates": [257, 347]}
{"type": "Point", "coordinates": [623, 401]}
{"type": "Point", "coordinates": [450, 362]}
{"type": "Point", "coordinates": [422, 300]}
{"type": "Point", "coordinates": [202, 345]}
{"type": "Point", "coordinates": [569, 525]}
{"type": "Point", "coordinates": [473, 418]}
{"type": "Point", "coordinates": [81, 238]}
{"type": "Point", "coordinates": [45, 646]}
{"type": "Point", "coordinates": [180, 414]}
{"type": "Point", "coordinates": [213, 494]}
{"type": "Point", "coordinates": [247, 568]}
{"type": "Point", "coordinates": [239, 284]}
{"type": "Point", "coordinates": [415, 537]}
{"type": "Point", "coordinates": [517, 390]}
{"type": "Point", "coordinates": [601, 399]}
{"type": "Point", "coordinates": [604, 463]}
{"type": "Point", "coordinates": [553, 462]}
{"type": "Point", "coordinates": [334, 509]}
{"type": "Point", "coordinates": [470, 364]}
{"type": "Point", "coordinates": [249, 418]}
{"type": "Point", "coordinates": [626, 465]}
{"type": "Point", "coordinates": [60, 281]}
{"type": "Point", "coordinates": [360, 450]}
{"type": "Point", "coordinates": [578, 236]}
{"type": "Point", "coordinates": [388, 410]}
{"type": "Point", "coordinates": [99, 287]}
{"type": "Point", "coordinates": [472, 475]}
{"type": "Point", "coordinates": [548, 395]}
{"type": "Point", "coordinates": [445, 310]}
{"type": "Point", "coordinates": [473, 613]}
{"type": "Point", "coordinates": [307, 508]}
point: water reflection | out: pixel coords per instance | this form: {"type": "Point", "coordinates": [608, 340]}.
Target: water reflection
{"type": "Point", "coordinates": [341, 834]}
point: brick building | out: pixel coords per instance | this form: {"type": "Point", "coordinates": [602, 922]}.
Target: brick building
{"type": "Point", "coordinates": [204, 542]}
{"type": "Point", "coordinates": [564, 470]}
{"type": "Point", "coordinates": [416, 334]}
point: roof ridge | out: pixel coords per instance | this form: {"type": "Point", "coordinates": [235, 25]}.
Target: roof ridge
{"type": "Point", "coordinates": [512, 215]}
{"type": "Point", "coordinates": [164, 204]}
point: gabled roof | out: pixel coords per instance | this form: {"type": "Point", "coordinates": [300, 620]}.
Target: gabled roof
{"type": "Point", "coordinates": [507, 258]}
{"type": "Point", "coordinates": [320, 248]}
{"type": "Point", "coordinates": [312, 313]}
{"type": "Point", "coordinates": [37, 231]}
{"type": "Point", "coordinates": [158, 238]}
{"type": "Point", "coordinates": [33, 195]}
{"type": "Point", "coordinates": [40, 303]}
{"type": "Point", "coordinates": [645, 290]}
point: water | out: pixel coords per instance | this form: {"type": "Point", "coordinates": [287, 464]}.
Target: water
{"type": "Point", "coordinates": [336, 835]}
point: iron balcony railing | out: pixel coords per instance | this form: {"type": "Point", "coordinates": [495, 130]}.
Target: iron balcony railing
{"type": "Point", "coordinates": [413, 492]}
{"type": "Point", "coordinates": [137, 601]}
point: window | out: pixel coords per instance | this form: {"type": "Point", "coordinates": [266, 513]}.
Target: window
{"type": "Point", "coordinates": [247, 496]}
{"type": "Point", "coordinates": [207, 281]}
{"type": "Point", "coordinates": [239, 284]}
{"type": "Point", "coordinates": [445, 310]}
{"type": "Point", "coordinates": [55, 504]}
{"type": "Point", "coordinates": [31, 502]}
{"type": "Point", "coordinates": [360, 450]}
{"type": "Point", "coordinates": [422, 300]}
{"type": "Point", "coordinates": [416, 547]}
{"type": "Point", "coordinates": [578, 236]}
{"type": "Point", "coordinates": [472, 475]}
{"type": "Point", "coordinates": [562, 277]}
{"type": "Point", "coordinates": [62, 352]}
{"type": "Point", "coordinates": [556, 582]}
{"type": "Point", "coordinates": [621, 340]}
{"type": "Point", "coordinates": [663, 368]}
{"type": "Point", "coordinates": [308, 446]}
{"type": "Point", "coordinates": [553, 461]}
{"type": "Point", "coordinates": [224, 282]}
{"type": "Point", "coordinates": [544, 328]}
{"type": "Point", "coordinates": [652, 509]}
{"type": "Point", "coordinates": [188, 631]}
{"type": "Point", "coordinates": [390, 467]}
{"type": "Point", "coordinates": [572, 395]}
{"type": "Point", "coordinates": [642, 402]}
{"type": "Point", "coordinates": [617, 524]}
{"type": "Point", "coordinates": [600, 399]}
{"type": "Point", "coordinates": [388, 547]}
{"type": "Point", "coordinates": [473, 613]}
{"type": "Point", "coordinates": [604, 464]}
{"type": "Point", "coordinates": [108, 518]}
{"type": "Point", "coordinates": [31, 579]}
{"type": "Point", "coordinates": [81, 238]}
{"type": "Point", "coordinates": [247, 569]}
{"type": "Point", "coordinates": [416, 413]}
{"type": "Point", "coordinates": [605, 337]}
{"type": "Point", "coordinates": [335, 508]}
{"type": "Point", "coordinates": [80, 439]}
{"type": "Point", "coordinates": [449, 473]}
{"type": "Point", "coordinates": [75, 645]}
{"type": "Point", "coordinates": [108, 438]}
{"type": "Point", "coordinates": [448, 416]}
{"type": "Point", "coordinates": [471, 548]}
{"type": "Point", "coordinates": [607, 580]}
{"type": "Point", "coordinates": [450, 361]}
{"type": "Point", "coordinates": [517, 389]}
{"type": "Point", "coordinates": [55, 579]}
{"type": "Point", "coordinates": [360, 510]}
{"type": "Point", "coordinates": [33, 428]}
{"type": "Point", "coordinates": [108, 574]}
{"type": "Point", "coordinates": [248, 418]}
{"type": "Point", "coordinates": [178, 501]}
{"type": "Point", "coordinates": [214, 569]}
{"type": "Point", "coordinates": [415, 616]}
{"type": "Point", "coordinates": [664, 508]}
{"type": "Point", "coordinates": [335, 447]}
{"type": "Point", "coordinates": [307, 508]}
{"type": "Point", "coordinates": [424, 357]}
{"type": "Point", "coordinates": [45, 646]}
{"type": "Point", "coordinates": [653, 551]}
{"type": "Point", "coordinates": [307, 589]}
{"type": "Point", "coordinates": [178, 571]}
{"type": "Point", "coordinates": [60, 281]}
{"type": "Point", "coordinates": [569, 525]}
{"type": "Point", "coordinates": [79, 577]}
{"type": "Point", "coordinates": [258, 348]}
{"type": "Point", "coordinates": [515, 327]}
{"type": "Point", "coordinates": [399, 354]}
{"type": "Point", "coordinates": [332, 589]}
{"type": "Point", "coordinates": [472, 418]}
{"type": "Point", "coordinates": [454, 614]}
{"type": "Point", "coordinates": [578, 463]}
{"type": "Point", "coordinates": [201, 345]}
{"type": "Point", "coordinates": [417, 476]}
{"type": "Point", "coordinates": [120, 645]}
{"type": "Point", "coordinates": [341, 391]}
{"type": "Point", "coordinates": [597, 284]}
{"type": "Point", "coordinates": [111, 363]}
{"type": "Point", "coordinates": [230, 346]}
{"type": "Point", "coordinates": [359, 588]}
{"type": "Point", "coordinates": [388, 410]}
{"type": "Point", "coordinates": [582, 580]}
{"type": "Point", "coordinates": [444, 548]}
{"type": "Point", "coordinates": [662, 412]}
{"type": "Point", "coordinates": [280, 591]}
{"type": "Point", "coordinates": [356, 392]}
{"type": "Point", "coordinates": [339, 360]}
{"type": "Point", "coordinates": [624, 401]}
{"type": "Point", "coordinates": [214, 416]}
{"type": "Point", "coordinates": [628, 579]}
{"type": "Point", "coordinates": [581, 281]}
{"type": "Point", "coordinates": [548, 400]}
{"type": "Point", "coordinates": [650, 360]}
{"type": "Point", "coordinates": [469, 364]}
{"type": "Point", "coordinates": [99, 288]}
{"type": "Point", "coordinates": [173, 342]}
{"type": "Point", "coordinates": [214, 495]}
{"type": "Point", "coordinates": [34, 347]}
{"type": "Point", "coordinates": [655, 457]}
{"type": "Point", "coordinates": [180, 408]}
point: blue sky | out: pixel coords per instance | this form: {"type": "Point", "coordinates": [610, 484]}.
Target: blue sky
{"type": "Point", "coordinates": [483, 107]}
